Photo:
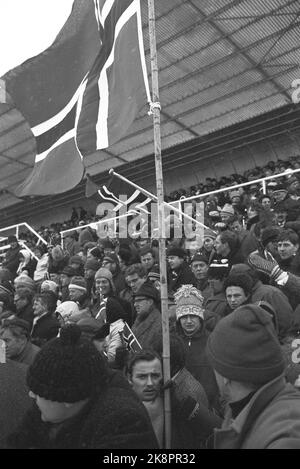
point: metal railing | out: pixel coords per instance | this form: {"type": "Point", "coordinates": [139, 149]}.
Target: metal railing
{"type": "Point", "coordinates": [17, 233]}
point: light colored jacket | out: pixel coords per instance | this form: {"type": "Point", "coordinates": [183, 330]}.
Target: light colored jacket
{"type": "Point", "coordinates": [114, 339]}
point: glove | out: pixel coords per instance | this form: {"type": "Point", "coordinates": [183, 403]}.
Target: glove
{"type": "Point", "coordinates": [186, 394]}
{"type": "Point", "coordinates": [269, 267]}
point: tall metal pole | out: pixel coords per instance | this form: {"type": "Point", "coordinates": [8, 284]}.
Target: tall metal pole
{"type": "Point", "coordinates": [155, 108]}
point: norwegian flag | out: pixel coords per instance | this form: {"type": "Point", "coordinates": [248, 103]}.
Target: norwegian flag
{"type": "Point", "coordinates": [130, 340]}
{"type": "Point", "coordinates": [81, 94]}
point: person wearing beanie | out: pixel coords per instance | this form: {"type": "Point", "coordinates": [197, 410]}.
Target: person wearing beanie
{"type": "Point", "coordinates": [15, 333]}
{"type": "Point", "coordinates": [269, 239]}
{"type": "Point", "coordinates": [64, 280]}
{"type": "Point", "coordinates": [95, 253]}
{"type": "Point", "coordinates": [79, 402]}
{"type": "Point", "coordinates": [104, 287]}
{"type": "Point", "coordinates": [270, 294]}
{"type": "Point", "coordinates": [78, 294]}
{"type": "Point", "coordinates": [179, 272]}
{"type": "Point", "coordinates": [90, 268]}
{"type": "Point", "coordinates": [77, 263]}
{"type": "Point", "coordinates": [207, 248]}
{"type": "Point", "coordinates": [12, 256]}
{"type": "Point", "coordinates": [148, 322]}
{"type": "Point", "coordinates": [111, 262]}
{"type": "Point", "coordinates": [24, 281]}
{"type": "Point", "coordinates": [45, 324]}
{"type": "Point", "coordinates": [154, 276]}
{"type": "Point", "coordinates": [263, 411]}
{"type": "Point", "coordinates": [190, 327]}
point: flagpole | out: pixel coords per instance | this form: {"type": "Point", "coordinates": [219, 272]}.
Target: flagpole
{"type": "Point", "coordinates": [155, 110]}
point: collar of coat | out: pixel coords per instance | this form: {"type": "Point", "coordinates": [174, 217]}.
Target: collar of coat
{"type": "Point", "coordinates": [238, 428]}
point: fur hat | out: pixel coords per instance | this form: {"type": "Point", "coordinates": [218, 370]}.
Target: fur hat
{"type": "Point", "coordinates": [244, 347]}
{"type": "Point", "coordinates": [67, 369]}
{"type": "Point", "coordinates": [189, 301]}
{"type": "Point", "coordinates": [24, 281]}
{"type": "Point", "coordinates": [78, 283]}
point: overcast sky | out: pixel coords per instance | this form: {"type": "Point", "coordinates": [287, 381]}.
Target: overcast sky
{"type": "Point", "coordinates": [28, 27]}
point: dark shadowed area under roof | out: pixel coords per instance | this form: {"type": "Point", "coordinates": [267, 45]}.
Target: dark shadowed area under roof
{"type": "Point", "coordinates": [221, 63]}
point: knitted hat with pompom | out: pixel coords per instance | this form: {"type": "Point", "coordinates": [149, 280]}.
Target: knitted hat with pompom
{"type": "Point", "coordinates": [67, 369]}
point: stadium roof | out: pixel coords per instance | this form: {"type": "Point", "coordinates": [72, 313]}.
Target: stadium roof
{"type": "Point", "coordinates": [221, 63]}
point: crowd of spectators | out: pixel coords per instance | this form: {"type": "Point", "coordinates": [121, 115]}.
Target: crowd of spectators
{"type": "Point", "coordinates": [92, 307]}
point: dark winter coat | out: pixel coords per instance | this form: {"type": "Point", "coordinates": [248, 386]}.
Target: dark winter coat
{"type": "Point", "coordinates": [181, 276]}
{"type": "Point", "coordinates": [271, 420]}
{"type": "Point", "coordinates": [291, 265]}
{"type": "Point", "coordinates": [28, 354]}
{"type": "Point", "coordinates": [279, 302]}
{"type": "Point", "coordinates": [26, 314]}
{"type": "Point", "coordinates": [12, 260]}
{"type": "Point", "coordinates": [114, 419]}
{"type": "Point", "coordinates": [14, 401]}
{"type": "Point", "coordinates": [197, 364]}
{"type": "Point", "coordinates": [149, 329]}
